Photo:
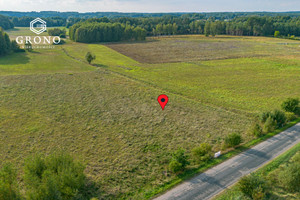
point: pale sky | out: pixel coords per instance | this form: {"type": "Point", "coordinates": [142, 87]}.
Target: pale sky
{"type": "Point", "coordinates": [149, 6]}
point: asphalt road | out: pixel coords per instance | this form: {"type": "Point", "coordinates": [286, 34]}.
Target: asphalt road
{"type": "Point", "coordinates": [218, 178]}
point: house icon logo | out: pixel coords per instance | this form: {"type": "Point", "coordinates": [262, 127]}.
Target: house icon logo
{"type": "Point", "coordinates": [38, 26]}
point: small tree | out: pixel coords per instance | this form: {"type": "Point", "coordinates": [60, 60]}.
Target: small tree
{"type": "Point", "coordinates": [290, 105]}
{"type": "Point", "coordinates": [253, 186]}
{"type": "Point", "coordinates": [202, 153]}
{"type": "Point", "coordinates": [233, 140]}
{"type": "Point", "coordinates": [179, 161]}
{"type": "Point", "coordinates": [90, 57]}
{"type": "Point", "coordinates": [28, 47]}
{"type": "Point", "coordinates": [276, 34]}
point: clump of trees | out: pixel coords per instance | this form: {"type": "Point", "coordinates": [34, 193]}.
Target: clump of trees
{"type": "Point", "coordinates": [57, 32]}
{"type": "Point", "coordinates": [88, 32]}
{"type": "Point", "coordinates": [271, 120]}
{"type": "Point", "coordinates": [7, 46]}
{"type": "Point", "coordinates": [56, 176]}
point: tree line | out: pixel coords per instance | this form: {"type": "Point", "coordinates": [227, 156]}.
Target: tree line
{"type": "Point", "coordinates": [197, 23]}
{"type": "Point", "coordinates": [216, 15]}
{"type": "Point", "coordinates": [94, 31]}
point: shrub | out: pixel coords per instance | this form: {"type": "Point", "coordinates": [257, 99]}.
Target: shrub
{"type": "Point", "coordinates": [8, 183]}
{"type": "Point", "coordinates": [290, 105]}
{"type": "Point", "coordinates": [233, 140]}
{"type": "Point", "coordinates": [28, 47]}
{"type": "Point", "coordinates": [253, 186]}
{"type": "Point", "coordinates": [276, 34]}
{"type": "Point", "coordinates": [264, 116]}
{"type": "Point", "coordinates": [57, 176]}
{"type": "Point", "coordinates": [179, 161]}
{"type": "Point", "coordinates": [269, 125]}
{"type": "Point", "coordinates": [202, 153]}
{"type": "Point", "coordinates": [276, 116]}
{"type": "Point", "coordinates": [175, 166]}
{"type": "Point", "coordinates": [279, 117]}
{"type": "Point", "coordinates": [290, 116]}
{"type": "Point", "coordinates": [256, 130]}
{"type": "Point", "coordinates": [289, 178]}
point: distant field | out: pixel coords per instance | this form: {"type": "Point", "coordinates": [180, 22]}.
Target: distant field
{"type": "Point", "coordinates": [107, 114]}
{"type": "Point", "coordinates": [197, 48]}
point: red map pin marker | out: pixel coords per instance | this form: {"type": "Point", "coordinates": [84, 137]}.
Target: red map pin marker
{"type": "Point", "coordinates": [163, 100]}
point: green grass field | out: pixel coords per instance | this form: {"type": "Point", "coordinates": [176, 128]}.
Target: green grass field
{"type": "Point", "coordinates": [107, 115]}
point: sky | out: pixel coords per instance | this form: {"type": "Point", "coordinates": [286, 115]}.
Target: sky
{"type": "Point", "coordinates": [150, 6]}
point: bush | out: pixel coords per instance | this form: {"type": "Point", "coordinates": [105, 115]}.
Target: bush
{"type": "Point", "coordinates": [28, 47]}
{"type": "Point", "coordinates": [290, 116]}
{"type": "Point", "coordinates": [270, 125]}
{"type": "Point", "coordinates": [54, 177]}
{"type": "Point", "coordinates": [179, 161]}
{"type": "Point", "coordinates": [279, 117]}
{"type": "Point", "coordinates": [256, 130]}
{"type": "Point", "coordinates": [264, 116]}
{"type": "Point", "coordinates": [202, 153]}
{"type": "Point", "coordinates": [289, 178]}
{"type": "Point", "coordinates": [233, 140]}
{"type": "Point", "coordinates": [175, 166]}
{"type": "Point", "coordinates": [8, 183]}
{"type": "Point", "coordinates": [290, 105]}
{"type": "Point", "coordinates": [253, 186]}
{"type": "Point", "coordinates": [276, 34]}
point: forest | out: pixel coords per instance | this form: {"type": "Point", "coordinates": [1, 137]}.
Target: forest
{"type": "Point", "coordinates": [5, 23]}
{"type": "Point", "coordinates": [112, 29]}
{"type": "Point", "coordinates": [88, 32]}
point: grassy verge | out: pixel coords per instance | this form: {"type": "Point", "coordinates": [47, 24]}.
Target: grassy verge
{"type": "Point", "coordinates": [233, 192]}
{"type": "Point", "coordinates": [192, 172]}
